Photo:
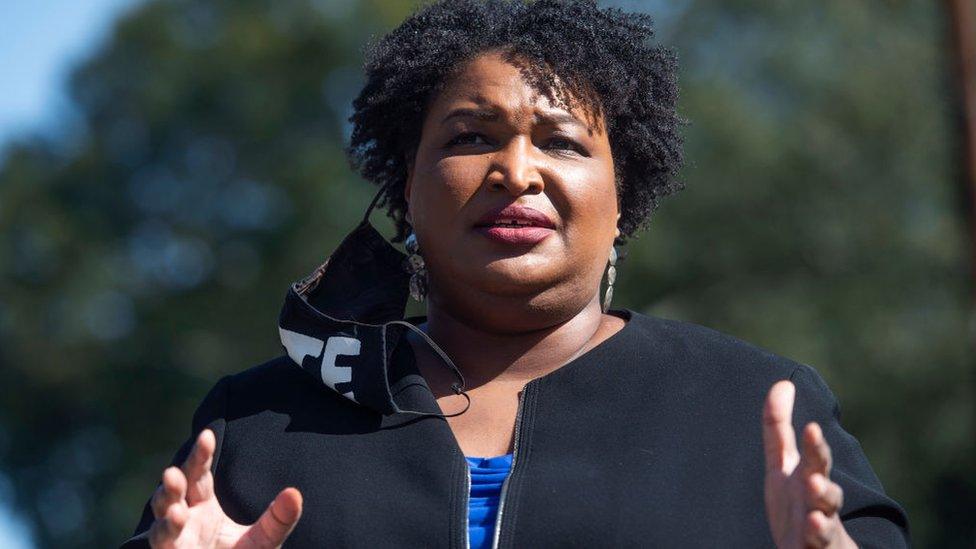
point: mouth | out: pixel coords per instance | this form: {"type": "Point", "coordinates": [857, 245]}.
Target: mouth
{"type": "Point", "coordinates": [515, 225]}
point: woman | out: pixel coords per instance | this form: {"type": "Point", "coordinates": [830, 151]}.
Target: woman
{"type": "Point", "coordinates": [514, 144]}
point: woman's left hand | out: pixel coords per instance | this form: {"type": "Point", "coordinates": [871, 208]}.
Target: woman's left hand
{"type": "Point", "coordinates": [802, 503]}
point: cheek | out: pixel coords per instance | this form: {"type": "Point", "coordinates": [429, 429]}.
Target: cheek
{"type": "Point", "coordinates": [444, 186]}
{"type": "Point", "coordinates": [587, 200]}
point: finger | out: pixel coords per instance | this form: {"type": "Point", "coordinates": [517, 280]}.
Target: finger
{"type": "Point", "coordinates": [278, 520]}
{"type": "Point", "coordinates": [171, 490]}
{"type": "Point", "coordinates": [779, 439]}
{"type": "Point", "coordinates": [816, 452]}
{"type": "Point", "coordinates": [157, 502]}
{"type": "Point", "coordinates": [820, 530]}
{"type": "Point", "coordinates": [165, 530]}
{"type": "Point", "coordinates": [197, 468]}
{"type": "Point", "coordinates": [823, 495]}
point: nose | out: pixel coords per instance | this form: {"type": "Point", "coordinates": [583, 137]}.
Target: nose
{"type": "Point", "coordinates": [513, 169]}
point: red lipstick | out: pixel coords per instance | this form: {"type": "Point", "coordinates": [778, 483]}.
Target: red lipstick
{"type": "Point", "coordinates": [515, 225]}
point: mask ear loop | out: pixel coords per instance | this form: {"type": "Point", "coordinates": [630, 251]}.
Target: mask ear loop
{"type": "Point", "coordinates": [457, 387]}
{"type": "Point", "coordinates": [374, 202]}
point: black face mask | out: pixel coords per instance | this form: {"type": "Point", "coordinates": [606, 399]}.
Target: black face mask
{"type": "Point", "coordinates": [342, 322]}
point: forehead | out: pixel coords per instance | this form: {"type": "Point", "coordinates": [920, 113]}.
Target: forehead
{"type": "Point", "coordinates": [490, 81]}
{"type": "Point", "coordinates": [491, 76]}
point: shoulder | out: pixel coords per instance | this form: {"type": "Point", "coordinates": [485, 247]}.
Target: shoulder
{"type": "Point", "coordinates": [277, 385]}
{"type": "Point", "coordinates": [686, 352]}
{"type": "Point", "coordinates": [277, 371]}
{"type": "Point", "coordinates": [689, 353]}
{"type": "Point", "coordinates": [711, 350]}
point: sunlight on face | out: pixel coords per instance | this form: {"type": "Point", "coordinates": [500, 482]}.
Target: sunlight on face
{"type": "Point", "coordinates": [492, 148]}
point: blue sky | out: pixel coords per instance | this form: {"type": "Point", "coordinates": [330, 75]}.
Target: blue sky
{"type": "Point", "coordinates": [39, 42]}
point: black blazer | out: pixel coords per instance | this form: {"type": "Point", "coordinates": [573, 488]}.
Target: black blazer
{"type": "Point", "coordinates": [651, 439]}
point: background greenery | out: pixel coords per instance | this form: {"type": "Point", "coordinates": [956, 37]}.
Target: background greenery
{"type": "Point", "coordinates": [145, 252]}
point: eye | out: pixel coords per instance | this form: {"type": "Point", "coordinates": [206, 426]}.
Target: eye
{"type": "Point", "coordinates": [468, 138]}
{"type": "Point", "coordinates": [559, 143]}
{"type": "Point", "coordinates": [564, 145]}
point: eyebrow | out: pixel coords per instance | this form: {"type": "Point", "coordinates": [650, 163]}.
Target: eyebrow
{"type": "Point", "coordinates": [560, 118]}
{"type": "Point", "coordinates": [480, 114]}
{"type": "Point", "coordinates": [490, 115]}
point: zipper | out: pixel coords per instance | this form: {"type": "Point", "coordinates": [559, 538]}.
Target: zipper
{"type": "Point", "coordinates": [467, 502]}
{"type": "Point", "coordinates": [511, 473]}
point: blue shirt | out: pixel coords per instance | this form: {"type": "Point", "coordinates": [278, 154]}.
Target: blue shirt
{"type": "Point", "coordinates": [487, 476]}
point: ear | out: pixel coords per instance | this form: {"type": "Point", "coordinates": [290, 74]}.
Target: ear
{"type": "Point", "coordinates": [616, 233]}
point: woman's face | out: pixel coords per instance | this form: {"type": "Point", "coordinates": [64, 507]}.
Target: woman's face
{"type": "Point", "coordinates": [510, 196]}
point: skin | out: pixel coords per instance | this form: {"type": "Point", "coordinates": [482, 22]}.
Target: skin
{"type": "Point", "coordinates": [507, 316]}
{"type": "Point", "coordinates": [188, 514]}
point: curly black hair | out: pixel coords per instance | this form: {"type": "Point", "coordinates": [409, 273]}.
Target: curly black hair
{"type": "Point", "coordinates": [602, 59]}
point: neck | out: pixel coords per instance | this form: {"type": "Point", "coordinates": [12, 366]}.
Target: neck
{"type": "Point", "coordinates": [488, 355]}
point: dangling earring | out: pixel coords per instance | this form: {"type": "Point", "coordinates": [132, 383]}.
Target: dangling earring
{"type": "Point", "coordinates": [417, 269]}
{"type": "Point", "coordinates": [611, 278]}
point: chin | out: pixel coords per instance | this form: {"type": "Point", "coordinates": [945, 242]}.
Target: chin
{"type": "Point", "coordinates": [491, 293]}
{"type": "Point", "coordinates": [515, 305]}
{"type": "Point", "coordinates": [516, 276]}
{"type": "Point", "coordinates": [505, 285]}
{"type": "Point", "coordinates": [524, 276]}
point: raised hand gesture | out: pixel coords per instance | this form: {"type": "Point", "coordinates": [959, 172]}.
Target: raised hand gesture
{"type": "Point", "coordinates": [802, 503]}
{"type": "Point", "coordinates": [188, 514]}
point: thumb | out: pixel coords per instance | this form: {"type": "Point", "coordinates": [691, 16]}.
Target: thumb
{"type": "Point", "coordinates": [779, 439]}
{"type": "Point", "coordinates": [277, 521]}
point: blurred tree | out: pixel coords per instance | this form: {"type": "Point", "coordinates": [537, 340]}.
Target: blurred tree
{"type": "Point", "coordinates": [821, 221]}
{"type": "Point", "coordinates": [145, 252]}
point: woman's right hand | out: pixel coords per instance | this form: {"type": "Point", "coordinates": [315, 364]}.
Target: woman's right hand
{"type": "Point", "coordinates": [188, 514]}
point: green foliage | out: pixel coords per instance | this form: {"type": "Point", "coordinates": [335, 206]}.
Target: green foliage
{"type": "Point", "coordinates": [822, 220]}
{"type": "Point", "coordinates": [145, 252]}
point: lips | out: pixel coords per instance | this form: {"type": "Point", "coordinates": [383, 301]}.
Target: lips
{"type": "Point", "coordinates": [516, 225]}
